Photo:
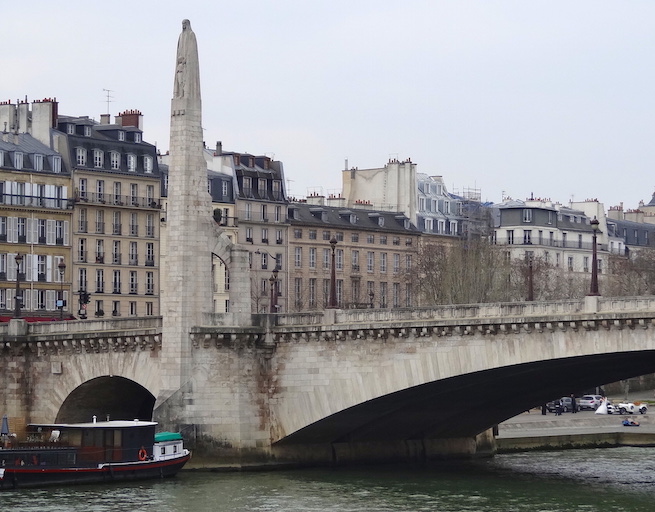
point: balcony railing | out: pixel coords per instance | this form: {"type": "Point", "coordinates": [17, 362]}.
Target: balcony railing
{"type": "Point", "coordinates": [35, 201]}
{"type": "Point", "coordinates": [587, 246]}
{"type": "Point", "coordinates": [128, 201]}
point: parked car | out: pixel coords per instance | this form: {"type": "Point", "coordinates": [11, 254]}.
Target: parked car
{"type": "Point", "coordinates": [589, 402]}
{"type": "Point", "coordinates": [565, 403]}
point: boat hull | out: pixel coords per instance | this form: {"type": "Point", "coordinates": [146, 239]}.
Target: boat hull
{"type": "Point", "coordinates": [31, 476]}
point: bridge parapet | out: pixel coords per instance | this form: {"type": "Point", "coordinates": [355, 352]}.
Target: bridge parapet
{"type": "Point", "coordinates": [508, 310]}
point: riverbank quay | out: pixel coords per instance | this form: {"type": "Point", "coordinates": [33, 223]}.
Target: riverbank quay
{"type": "Point", "coordinates": [585, 429]}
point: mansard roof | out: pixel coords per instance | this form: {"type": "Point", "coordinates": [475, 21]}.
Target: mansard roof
{"type": "Point", "coordinates": [350, 218]}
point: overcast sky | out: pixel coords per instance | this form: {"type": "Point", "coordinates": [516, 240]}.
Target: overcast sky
{"type": "Point", "coordinates": [551, 98]}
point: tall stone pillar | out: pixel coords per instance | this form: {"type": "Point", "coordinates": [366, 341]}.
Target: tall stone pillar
{"type": "Point", "coordinates": [186, 286]}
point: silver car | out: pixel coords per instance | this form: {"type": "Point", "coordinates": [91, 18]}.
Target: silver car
{"type": "Point", "coordinates": [589, 402]}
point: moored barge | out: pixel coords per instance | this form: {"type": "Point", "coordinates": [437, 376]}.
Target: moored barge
{"type": "Point", "coordinates": [103, 451]}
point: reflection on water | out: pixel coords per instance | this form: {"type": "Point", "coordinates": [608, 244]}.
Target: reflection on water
{"type": "Point", "coordinates": [619, 479]}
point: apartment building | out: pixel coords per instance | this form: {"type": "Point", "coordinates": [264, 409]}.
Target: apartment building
{"type": "Point", "coordinates": [373, 253]}
{"type": "Point", "coordinates": [36, 212]}
{"type": "Point", "coordinates": [116, 218]}
{"type": "Point", "coordinates": [560, 235]}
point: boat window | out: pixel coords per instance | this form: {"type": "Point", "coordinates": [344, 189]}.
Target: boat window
{"type": "Point", "coordinates": [174, 448]}
{"type": "Point", "coordinates": [163, 450]}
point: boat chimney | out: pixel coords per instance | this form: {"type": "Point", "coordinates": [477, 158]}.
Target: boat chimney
{"type": "Point", "coordinates": [94, 418]}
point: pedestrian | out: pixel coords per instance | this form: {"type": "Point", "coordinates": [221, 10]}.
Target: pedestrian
{"type": "Point", "coordinates": [558, 408]}
{"type": "Point", "coordinates": [543, 410]}
{"type": "Point", "coordinates": [574, 407]}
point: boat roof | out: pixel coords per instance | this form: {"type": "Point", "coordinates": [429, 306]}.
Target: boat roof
{"type": "Point", "coordinates": [97, 424]}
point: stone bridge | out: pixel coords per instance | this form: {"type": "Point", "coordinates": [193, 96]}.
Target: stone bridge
{"type": "Point", "coordinates": [335, 386]}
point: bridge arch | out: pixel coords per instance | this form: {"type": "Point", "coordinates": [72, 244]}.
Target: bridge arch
{"type": "Point", "coordinates": [109, 396]}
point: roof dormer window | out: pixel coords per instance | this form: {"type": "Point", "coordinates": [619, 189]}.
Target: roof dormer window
{"type": "Point", "coordinates": [147, 164]}
{"type": "Point", "coordinates": [115, 160]}
{"type": "Point", "coordinates": [2, 158]}
{"type": "Point", "coordinates": [131, 162]}
{"type": "Point", "coordinates": [80, 156]}
{"type": "Point", "coordinates": [98, 158]}
{"type": "Point", "coordinates": [87, 131]}
{"type": "Point", "coordinates": [121, 135]}
{"type": "Point", "coordinates": [18, 160]}
{"type": "Point", "coordinates": [70, 129]}
{"type": "Point", "coordinates": [56, 164]}
{"type": "Point", "coordinates": [137, 137]}
{"type": "Point", "coordinates": [381, 221]}
{"type": "Point", "coordinates": [38, 162]}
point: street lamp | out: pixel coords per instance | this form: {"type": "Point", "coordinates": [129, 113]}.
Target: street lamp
{"type": "Point", "coordinates": [593, 291]}
{"type": "Point", "coordinates": [273, 281]}
{"type": "Point", "coordinates": [333, 277]}
{"type": "Point", "coordinates": [530, 278]}
{"type": "Point", "coordinates": [62, 271]}
{"type": "Point", "coordinates": [18, 298]}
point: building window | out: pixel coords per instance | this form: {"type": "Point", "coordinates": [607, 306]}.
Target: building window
{"type": "Point", "coordinates": [370, 239]}
{"type": "Point", "coordinates": [100, 281]}
{"type": "Point", "coordinates": [527, 235]}
{"type": "Point", "coordinates": [570, 263]}
{"type": "Point", "coordinates": [312, 292]}
{"type": "Point", "coordinates": [312, 234]}
{"type": "Point", "coordinates": [117, 227]}
{"type": "Point", "coordinates": [297, 233]}
{"type": "Point", "coordinates": [298, 257]}
{"type": "Point", "coordinates": [370, 261]}
{"type": "Point", "coordinates": [117, 281]}
{"type": "Point", "coordinates": [326, 235]}
{"type": "Point", "coordinates": [527, 215]}
{"type": "Point", "coordinates": [147, 164]}
{"type": "Point", "coordinates": [116, 255]}
{"type": "Point", "coordinates": [150, 309]}
{"type": "Point", "coordinates": [383, 262]}
{"type": "Point", "coordinates": [354, 237]}
{"type": "Point", "coordinates": [38, 162]}
{"type": "Point", "coordinates": [134, 224]}
{"type": "Point", "coordinates": [354, 260]}
{"type": "Point", "coordinates": [133, 254]}
{"type": "Point", "coordinates": [408, 262]}
{"type": "Point", "coordinates": [326, 258]}
{"type": "Point", "coordinates": [396, 263]}
{"type": "Point", "coordinates": [510, 236]}
{"type": "Point", "coordinates": [115, 160]}
{"type": "Point", "coordinates": [121, 135]}
{"type": "Point", "coordinates": [339, 259]}
{"type": "Point", "coordinates": [150, 283]}
{"type": "Point", "coordinates": [134, 287]}
{"type": "Point", "coordinates": [312, 257]}
{"type": "Point", "coordinates": [116, 308]}
{"type": "Point", "coordinates": [80, 156]}
{"type": "Point", "coordinates": [18, 160]}
{"type": "Point", "coordinates": [98, 158]}
{"type": "Point", "coordinates": [56, 164]}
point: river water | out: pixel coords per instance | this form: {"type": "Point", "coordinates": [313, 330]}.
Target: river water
{"type": "Point", "coordinates": [609, 479]}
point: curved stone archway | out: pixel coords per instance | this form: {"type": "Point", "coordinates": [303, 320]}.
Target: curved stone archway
{"type": "Point", "coordinates": [112, 397]}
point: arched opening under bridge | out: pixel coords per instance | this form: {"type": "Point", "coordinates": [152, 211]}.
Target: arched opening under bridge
{"type": "Point", "coordinates": [110, 396]}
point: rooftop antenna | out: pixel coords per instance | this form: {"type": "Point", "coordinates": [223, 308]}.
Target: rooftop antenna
{"type": "Point", "coordinates": [109, 98]}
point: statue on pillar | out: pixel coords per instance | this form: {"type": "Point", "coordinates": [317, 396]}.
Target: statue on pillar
{"type": "Point", "coordinates": [187, 70]}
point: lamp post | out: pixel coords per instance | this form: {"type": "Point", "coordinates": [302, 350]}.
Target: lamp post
{"type": "Point", "coordinates": [593, 291]}
{"type": "Point", "coordinates": [62, 271]}
{"type": "Point", "coordinates": [273, 281]}
{"type": "Point", "coordinates": [18, 298]}
{"type": "Point", "coordinates": [333, 277]}
{"type": "Point", "coordinates": [530, 279]}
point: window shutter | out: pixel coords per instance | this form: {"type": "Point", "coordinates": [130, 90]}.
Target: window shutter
{"type": "Point", "coordinates": [50, 299]}
{"type": "Point", "coordinates": [48, 269]}
{"type": "Point", "coordinates": [66, 232]}
{"type": "Point", "coordinates": [50, 232]}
